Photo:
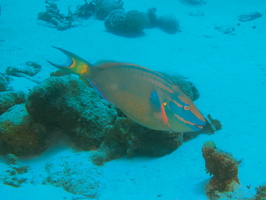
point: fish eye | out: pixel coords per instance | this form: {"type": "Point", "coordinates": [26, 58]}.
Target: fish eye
{"type": "Point", "coordinates": [186, 108]}
{"type": "Point", "coordinates": [164, 104]}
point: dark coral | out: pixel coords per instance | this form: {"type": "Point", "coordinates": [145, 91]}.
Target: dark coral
{"type": "Point", "coordinates": [135, 21]}
{"type": "Point", "coordinates": [127, 24]}
{"type": "Point", "coordinates": [104, 7]}
{"type": "Point", "coordinates": [70, 104]}
{"type": "Point", "coordinates": [223, 167]}
{"type": "Point", "coordinates": [130, 138]}
{"type": "Point", "coordinates": [19, 135]}
{"type": "Point", "coordinates": [152, 17]}
{"type": "Point", "coordinates": [114, 22]}
{"type": "Point", "coordinates": [169, 24]}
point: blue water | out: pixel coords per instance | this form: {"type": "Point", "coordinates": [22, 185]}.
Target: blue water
{"type": "Point", "coordinates": [217, 45]}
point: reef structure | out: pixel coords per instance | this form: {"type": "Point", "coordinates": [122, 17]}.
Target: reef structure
{"type": "Point", "coordinates": [64, 106]}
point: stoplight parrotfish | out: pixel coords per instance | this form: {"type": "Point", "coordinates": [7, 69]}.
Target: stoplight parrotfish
{"type": "Point", "coordinates": [145, 96]}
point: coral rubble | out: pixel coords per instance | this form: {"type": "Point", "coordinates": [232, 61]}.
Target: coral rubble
{"type": "Point", "coordinates": [29, 69]}
{"type": "Point", "coordinates": [227, 29]}
{"type": "Point", "coordinates": [54, 17]}
{"type": "Point", "coordinates": [249, 16]}
{"type": "Point", "coordinates": [62, 22]}
{"type": "Point", "coordinates": [15, 175]}
{"type": "Point", "coordinates": [224, 169]}
{"type": "Point", "coordinates": [77, 176]}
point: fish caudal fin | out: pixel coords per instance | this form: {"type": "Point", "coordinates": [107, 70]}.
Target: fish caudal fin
{"type": "Point", "coordinates": [75, 64]}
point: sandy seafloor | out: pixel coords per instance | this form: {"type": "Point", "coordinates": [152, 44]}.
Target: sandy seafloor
{"type": "Point", "coordinates": [228, 69]}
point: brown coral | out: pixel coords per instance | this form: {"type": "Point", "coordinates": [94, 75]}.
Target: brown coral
{"type": "Point", "coordinates": [223, 167]}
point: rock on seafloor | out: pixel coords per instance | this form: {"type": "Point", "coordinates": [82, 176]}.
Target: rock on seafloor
{"type": "Point", "coordinates": [79, 177]}
{"type": "Point", "coordinates": [28, 69]}
{"type": "Point", "coordinates": [4, 80]}
{"type": "Point", "coordinates": [224, 169]}
{"type": "Point", "coordinates": [11, 98]}
{"type": "Point", "coordinates": [19, 135]}
{"type": "Point", "coordinates": [129, 138]}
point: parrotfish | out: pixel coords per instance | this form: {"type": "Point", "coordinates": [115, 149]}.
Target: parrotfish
{"type": "Point", "coordinates": [145, 96]}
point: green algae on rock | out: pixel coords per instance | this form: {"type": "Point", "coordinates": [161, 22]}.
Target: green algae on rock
{"type": "Point", "coordinates": [19, 135]}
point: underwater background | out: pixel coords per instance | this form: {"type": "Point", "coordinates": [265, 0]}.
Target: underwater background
{"type": "Point", "coordinates": [60, 140]}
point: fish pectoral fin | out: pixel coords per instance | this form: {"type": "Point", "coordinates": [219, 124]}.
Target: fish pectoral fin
{"type": "Point", "coordinates": [158, 107]}
{"type": "Point", "coordinates": [74, 64]}
{"type": "Point", "coordinates": [155, 102]}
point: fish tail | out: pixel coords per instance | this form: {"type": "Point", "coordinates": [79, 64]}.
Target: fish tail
{"type": "Point", "coordinates": [75, 64]}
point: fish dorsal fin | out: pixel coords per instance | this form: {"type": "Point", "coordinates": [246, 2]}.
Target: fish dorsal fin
{"type": "Point", "coordinates": [100, 62]}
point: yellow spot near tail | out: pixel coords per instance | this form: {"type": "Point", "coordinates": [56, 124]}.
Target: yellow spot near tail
{"type": "Point", "coordinates": [84, 69]}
